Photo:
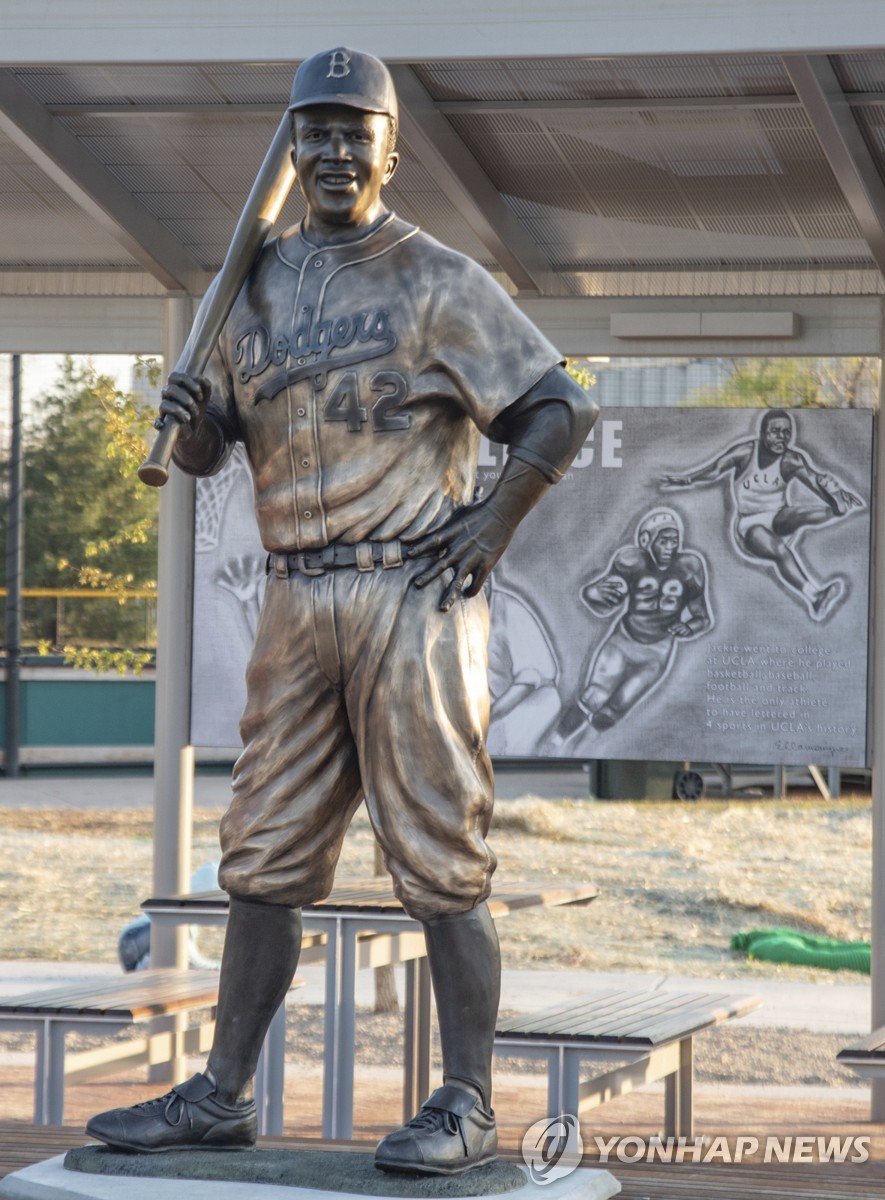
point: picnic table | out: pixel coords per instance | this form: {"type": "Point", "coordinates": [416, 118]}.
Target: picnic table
{"type": "Point", "coordinates": [364, 926]}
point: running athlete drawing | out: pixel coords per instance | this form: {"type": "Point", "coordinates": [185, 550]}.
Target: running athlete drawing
{"type": "Point", "coordinates": [660, 593]}
{"type": "Point", "coordinates": [768, 522]}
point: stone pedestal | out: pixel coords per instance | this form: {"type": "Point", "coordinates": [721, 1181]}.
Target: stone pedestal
{"type": "Point", "coordinates": [282, 1175]}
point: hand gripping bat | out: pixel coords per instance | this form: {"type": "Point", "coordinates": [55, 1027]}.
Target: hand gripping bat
{"type": "Point", "coordinates": [269, 192]}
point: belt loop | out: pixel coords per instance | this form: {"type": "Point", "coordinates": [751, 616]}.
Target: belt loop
{"type": "Point", "coordinates": [281, 566]}
{"type": "Point", "coordinates": [364, 558]}
{"type": "Point", "coordinates": [391, 555]}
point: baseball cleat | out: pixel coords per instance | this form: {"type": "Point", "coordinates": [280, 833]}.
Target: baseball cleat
{"type": "Point", "coordinates": [187, 1118]}
{"type": "Point", "coordinates": [450, 1134]}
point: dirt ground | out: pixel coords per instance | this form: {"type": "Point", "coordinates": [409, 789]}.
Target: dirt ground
{"type": "Point", "coordinates": [676, 882]}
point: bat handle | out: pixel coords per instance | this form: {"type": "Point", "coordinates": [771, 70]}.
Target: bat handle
{"type": "Point", "coordinates": [154, 471]}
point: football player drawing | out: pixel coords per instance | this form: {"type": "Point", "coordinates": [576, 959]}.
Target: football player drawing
{"type": "Point", "coordinates": [659, 592]}
{"type": "Point", "coordinates": [769, 514]}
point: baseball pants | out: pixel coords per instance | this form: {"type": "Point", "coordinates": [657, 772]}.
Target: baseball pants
{"type": "Point", "coordinates": [358, 686]}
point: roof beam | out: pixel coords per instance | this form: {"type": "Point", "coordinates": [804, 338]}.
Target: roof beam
{"type": "Point", "coordinates": [635, 103]}
{"type": "Point", "coordinates": [82, 177]}
{"type": "Point", "coordinates": [843, 144]}
{"type": "Point", "coordinates": [107, 31]}
{"type": "Point", "coordinates": [447, 159]}
{"type": "Point", "coordinates": [172, 108]}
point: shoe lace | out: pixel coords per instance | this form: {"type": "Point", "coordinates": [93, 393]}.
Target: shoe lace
{"type": "Point", "coordinates": [430, 1120]}
{"type": "Point", "coordinates": [173, 1106]}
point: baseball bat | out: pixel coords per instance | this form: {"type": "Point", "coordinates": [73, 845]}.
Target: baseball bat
{"type": "Point", "coordinates": [269, 191]}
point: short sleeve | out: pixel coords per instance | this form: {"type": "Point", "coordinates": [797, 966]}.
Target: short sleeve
{"type": "Point", "coordinates": [488, 350]}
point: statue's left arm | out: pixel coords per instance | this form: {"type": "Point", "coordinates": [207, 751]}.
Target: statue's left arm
{"type": "Point", "coordinates": [544, 429]}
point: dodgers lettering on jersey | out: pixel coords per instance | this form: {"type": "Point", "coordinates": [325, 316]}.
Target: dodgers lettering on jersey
{"type": "Point", "coordinates": [656, 598]}
{"type": "Point", "coordinates": [360, 376]}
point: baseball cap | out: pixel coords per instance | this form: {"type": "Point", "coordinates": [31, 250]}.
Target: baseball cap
{"type": "Point", "coordinates": [344, 76]}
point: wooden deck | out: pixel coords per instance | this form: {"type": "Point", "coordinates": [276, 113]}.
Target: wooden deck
{"type": "Point", "coordinates": [519, 1102]}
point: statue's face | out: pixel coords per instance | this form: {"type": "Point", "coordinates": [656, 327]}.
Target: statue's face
{"type": "Point", "coordinates": [777, 434]}
{"type": "Point", "coordinates": [342, 161]}
{"type": "Point", "coordinates": [664, 547]}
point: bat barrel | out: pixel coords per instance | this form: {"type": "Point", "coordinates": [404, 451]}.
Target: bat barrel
{"type": "Point", "coordinates": [262, 208]}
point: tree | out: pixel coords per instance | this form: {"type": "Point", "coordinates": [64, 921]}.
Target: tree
{"type": "Point", "coordinates": [796, 383]}
{"type": "Point", "coordinates": [89, 523]}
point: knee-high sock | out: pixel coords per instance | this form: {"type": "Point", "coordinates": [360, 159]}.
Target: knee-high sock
{"type": "Point", "coordinates": [465, 966]}
{"type": "Point", "coordinates": [261, 948]}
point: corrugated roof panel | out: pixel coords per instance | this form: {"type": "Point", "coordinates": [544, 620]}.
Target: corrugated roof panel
{"type": "Point", "coordinates": [252, 83]}
{"type": "Point", "coordinates": [70, 85]}
{"type": "Point", "coordinates": [604, 78]}
{"type": "Point", "coordinates": [515, 180]}
{"type": "Point", "coordinates": [871, 122]}
{"type": "Point", "coordinates": [734, 201]}
{"type": "Point", "coordinates": [244, 152]}
{"type": "Point", "coordinates": [763, 225]}
{"type": "Point", "coordinates": [819, 201]}
{"type": "Point", "coordinates": [138, 148]}
{"type": "Point", "coordinates": [647, 208]}
{"type": "Point", "coordinates": [829, 226]}
{"type": "Point", "coordinates": [197, 230]}
{"type": "Point", "coordinates": [33, 236]}
{"type": "Point", "coordinates": [791, 143]}
{"type": "Point", "coordinates": [158, 177]}
{"type": "Point", "coordinates": [187, 205]}
{"type": "Point", "coordinates": [162, 84]}
{"type": "Point", "coordinates": [860, 72]}
{"type": "Point", "coordinates": [11, 181]}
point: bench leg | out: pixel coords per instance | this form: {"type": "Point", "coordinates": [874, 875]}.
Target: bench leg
{"type": "Point", "coordinates": [270, 1076]}
{"type": "Point", "coordinates": [41, 1074]}
{"type": "Point", "coordinates": [416, 1047]}
{"type": "Point", "coordinates": [563, 1081]}
{"type": "Point", "coordinates": [55, 1099]}
{"type": "Point", "coordinates": [678, 1102]}
{"type": "Point", "coordinates": [338, 1033]}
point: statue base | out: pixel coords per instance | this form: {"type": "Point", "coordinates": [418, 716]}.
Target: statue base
{"type": "Point", "coordinates": [97, 1173]}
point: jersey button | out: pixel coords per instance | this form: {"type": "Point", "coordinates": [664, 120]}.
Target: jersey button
{"type": "Point", "coordinates": [305, 462]}
{"type": "Point", "coordinates": [308, 514]}
{"type": "Point", "coordinates": [301, 412]}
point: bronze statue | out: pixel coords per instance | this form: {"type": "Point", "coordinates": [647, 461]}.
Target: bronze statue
{"type": "Point", "coordinates": [359, 365]}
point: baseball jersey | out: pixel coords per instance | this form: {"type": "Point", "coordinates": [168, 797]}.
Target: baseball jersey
{"type": "Point", "coordinates": [656, 597]}
{"type": "Point", "coordinates": [359, 377]}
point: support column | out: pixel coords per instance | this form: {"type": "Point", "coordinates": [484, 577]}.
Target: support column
{"type": "Point", "coordinates": [15, 549]}
{"type": "Point", "coordinates": [173, 753]}
{"type": "Point", "coordinates": [877, 674]}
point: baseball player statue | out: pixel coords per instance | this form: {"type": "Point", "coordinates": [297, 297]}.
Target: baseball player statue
{"type": "Point", "coordinates": [360, 364]}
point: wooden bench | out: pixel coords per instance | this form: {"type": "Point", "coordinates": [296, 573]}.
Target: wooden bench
{"type": "Point", "coordinates": [53, 1012]}
{"type": "Point", "coordinates": [105, 1007]}
{"type": "Point", "coordinates": [649, 1033]}
{"type": "Point", "coordinates": [867, 1056]}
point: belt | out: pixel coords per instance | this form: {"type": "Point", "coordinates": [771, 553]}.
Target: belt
{"type": "Point", "coordinates": [364, 556]}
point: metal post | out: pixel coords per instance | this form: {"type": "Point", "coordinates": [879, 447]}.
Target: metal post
{"type": "Point", "coordinates": [15, 543]}
{"type": "Point", "coordinates": [877, 748]}
{"type": "Point", "coordinates": [173, 753]}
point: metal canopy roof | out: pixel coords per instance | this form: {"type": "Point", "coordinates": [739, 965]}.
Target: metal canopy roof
{"type": "Point", "coordinates": [586, 176]}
